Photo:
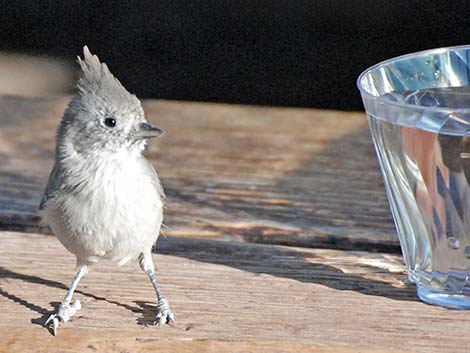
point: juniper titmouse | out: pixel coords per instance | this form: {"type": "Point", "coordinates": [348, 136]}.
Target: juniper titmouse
{"type": "Point", "coordinates": [104, 200]}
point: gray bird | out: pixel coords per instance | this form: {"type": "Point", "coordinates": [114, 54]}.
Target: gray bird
{"type": "Point", "coordinates": [104, 200]}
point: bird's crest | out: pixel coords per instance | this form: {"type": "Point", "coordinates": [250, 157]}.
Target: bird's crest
{"type": "Point", "coordinates": [98, 83]}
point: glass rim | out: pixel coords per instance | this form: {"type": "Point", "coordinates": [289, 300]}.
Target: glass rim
{"type": "Point", "coordinates": [383, 63]}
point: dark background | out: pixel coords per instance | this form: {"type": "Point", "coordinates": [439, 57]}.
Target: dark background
{"type": "Point", "coordinates": [277, 52]}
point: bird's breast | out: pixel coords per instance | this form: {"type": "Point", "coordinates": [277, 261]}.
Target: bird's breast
{"type": "Point", "coordinates": [115, 212]}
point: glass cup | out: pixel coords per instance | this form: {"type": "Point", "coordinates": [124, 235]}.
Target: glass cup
{"type": "Point", "coordinates": [418, 109]}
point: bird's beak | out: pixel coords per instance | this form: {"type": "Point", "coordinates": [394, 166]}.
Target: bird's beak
{"type": "Point", "coordinates": [148, 131]}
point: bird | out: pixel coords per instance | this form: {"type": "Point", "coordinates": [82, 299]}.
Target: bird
{"type": "Point", "coordinates": [104, 200]}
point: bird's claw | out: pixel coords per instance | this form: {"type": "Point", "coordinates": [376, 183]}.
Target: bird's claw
{"type": "Point", "coordinates": [164, 314]}
{"type": "Point", "coordinates": [65, 312]}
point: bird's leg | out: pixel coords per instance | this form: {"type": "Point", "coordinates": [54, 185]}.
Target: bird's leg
{"type": "Point", "coordinates": [164, 314]}
{"type": "Point", "coordinates": [66, 309]}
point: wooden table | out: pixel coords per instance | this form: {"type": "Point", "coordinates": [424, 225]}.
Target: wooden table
{"type": "Point", "coordinates": [279, 239]}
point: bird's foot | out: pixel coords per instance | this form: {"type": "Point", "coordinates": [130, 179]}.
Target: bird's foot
{"type": "Point", "coordinates": [65, 312]}
{"type": "Point", "coordinates": [164, 314]}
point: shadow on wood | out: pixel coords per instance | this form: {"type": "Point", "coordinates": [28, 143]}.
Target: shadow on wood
{"type": "Point", "coordinates": [365, 273]}
{"type": "Point", "coordinates": [6, 273]}
{"type": "Point", "coordinates": [380, 274]}
{"type": "Point", "coordinates": [335, 199]}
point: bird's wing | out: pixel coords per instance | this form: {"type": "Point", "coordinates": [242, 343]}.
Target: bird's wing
{"type": "Point", "coordinates": [52, 187]}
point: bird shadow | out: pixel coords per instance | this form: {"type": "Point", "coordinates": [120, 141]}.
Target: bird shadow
{"type": "Point", "coordinates": [6, 273]}
{"type": "Point", "coordinates": [147, 311]}
{"type": "Point", "coordinates": [148, 314]}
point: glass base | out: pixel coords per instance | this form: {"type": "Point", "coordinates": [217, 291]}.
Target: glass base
{"type": "Point", "coordinates": [450, 301]}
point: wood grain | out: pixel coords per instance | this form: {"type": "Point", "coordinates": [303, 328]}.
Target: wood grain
{"type": "Point", "coordinates": [226, 296]}
{"type": "Point", "coordinates": [273, 175]}
{"type": "Point", "coordinates": [19, 340]}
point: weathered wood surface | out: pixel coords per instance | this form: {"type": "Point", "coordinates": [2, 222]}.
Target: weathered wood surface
{"type": "Point", "coordinates": [227, 297]}
{"type": "Point", "coordinates": [277, 176]}
{"type": "Point", "coordinates": [284, 176]}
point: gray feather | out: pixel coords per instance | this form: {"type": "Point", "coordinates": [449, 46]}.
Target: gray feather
{"type": "Point", "coordinates": [96, 82]}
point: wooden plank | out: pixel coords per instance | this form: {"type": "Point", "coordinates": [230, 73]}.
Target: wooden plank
{"type": "Point", "coordinates": [81, 340]}
{"type": "Point", "coordinates": [226, 297]}
{"type": "Point", "coordinates": [274, 175]}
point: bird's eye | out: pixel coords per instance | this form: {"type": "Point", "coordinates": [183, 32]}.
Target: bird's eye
{"type": "Point", "coordinates": [111, 122]}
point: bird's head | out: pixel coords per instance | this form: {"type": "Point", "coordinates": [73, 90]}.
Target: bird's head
{"type": "Point", "coordinates": [103, 116]}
